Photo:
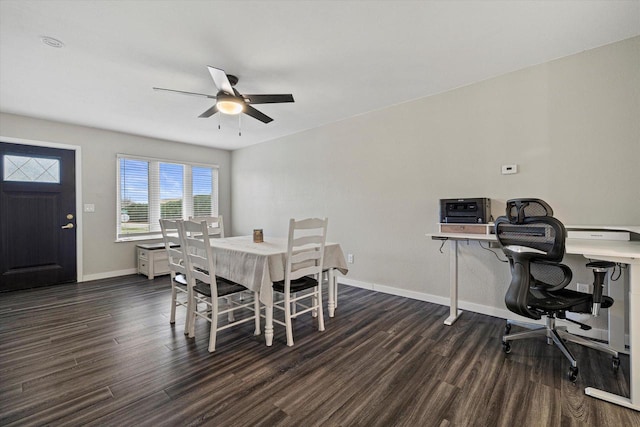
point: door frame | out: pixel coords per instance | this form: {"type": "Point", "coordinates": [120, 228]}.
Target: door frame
{"type": "Point", "coordinates": [78, 181]}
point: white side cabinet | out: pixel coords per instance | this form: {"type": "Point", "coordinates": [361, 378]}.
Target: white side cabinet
{"type": "Point", "coordinates": [152, 259]}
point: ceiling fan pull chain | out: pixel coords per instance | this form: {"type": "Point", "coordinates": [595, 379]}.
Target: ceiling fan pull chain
{"type": "Point", "coordinates": [239, 124]}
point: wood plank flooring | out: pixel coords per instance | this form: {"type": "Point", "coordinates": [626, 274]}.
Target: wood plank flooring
{"type": "Point", "coordinates": [103, 353]}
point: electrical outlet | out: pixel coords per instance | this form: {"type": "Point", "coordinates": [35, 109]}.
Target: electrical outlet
{"type": "Point", "coordinates": [584, 287]}
{"type": "Point", "coordinates": [89, 207]}
{"type": "Point", "coordinates": [350, 258]}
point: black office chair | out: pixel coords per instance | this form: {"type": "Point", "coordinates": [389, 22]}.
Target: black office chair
{"type": "Point", "coordinates": [534, 242]}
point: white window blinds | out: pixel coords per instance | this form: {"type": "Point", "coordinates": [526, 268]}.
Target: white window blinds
{"type": "Point", "coordinates": [150, 189]}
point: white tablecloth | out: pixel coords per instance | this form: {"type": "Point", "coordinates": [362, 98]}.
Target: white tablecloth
{"type": "Point", "coordinates": [258, 265]}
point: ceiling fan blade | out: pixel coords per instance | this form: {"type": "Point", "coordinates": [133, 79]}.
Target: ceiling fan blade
{"type": "Point", "coordinates": [185, 93]}
{"type": "Point", "coordinates": [268, 99]}
{"type": "Point", "coordinates": [210, 112]}
{"type": "Point", "coordinates": [250, 111]}
{"type": "Point", "coordinates": [221, 80]}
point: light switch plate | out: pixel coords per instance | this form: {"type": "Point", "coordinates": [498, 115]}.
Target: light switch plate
{"type": "Point", "coordinates": [89, 207]}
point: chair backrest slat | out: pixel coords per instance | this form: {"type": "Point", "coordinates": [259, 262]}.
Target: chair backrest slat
{"type": "Point", "coordinates": [310, 223]}
{"type": "Point", "coordinates": [173, 245]}
{"type": "Point", "coordinates": [199, 253]}
{"type": "Point", "coordinates": [307, 240]}
{"type": "Point", "coordinates": [215, 224]}
{"type": "Point", "coordinates": [301, 257]}
{"type": "Point", "coordinates": [305, 249]}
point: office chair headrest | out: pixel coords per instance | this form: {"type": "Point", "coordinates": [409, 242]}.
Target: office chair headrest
{"type": "Point", "coordinates": [519, 209]}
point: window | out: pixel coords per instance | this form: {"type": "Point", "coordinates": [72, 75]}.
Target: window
{"type": "Point", "coordinates": [151, 189]}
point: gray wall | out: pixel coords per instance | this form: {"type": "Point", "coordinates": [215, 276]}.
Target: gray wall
{"type": "Point", "coordinates": [102, 256]}
{"type": "Point", "coordinates": [572, 125]}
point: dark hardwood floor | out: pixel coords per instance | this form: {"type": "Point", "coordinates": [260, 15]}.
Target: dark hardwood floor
{"type": "Point", "coordinates": [103, 353]}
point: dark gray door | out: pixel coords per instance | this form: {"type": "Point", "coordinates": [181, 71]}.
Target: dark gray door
{"type": "Point", "coordinates": [37, 216]}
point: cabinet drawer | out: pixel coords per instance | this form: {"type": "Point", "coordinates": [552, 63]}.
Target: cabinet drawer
{"type": "Point", "coordinates": [464, 228]}
{"type": "Point", "coordinates": [143, 267]}
{"type": "Point", "coordinates": [143, 253]}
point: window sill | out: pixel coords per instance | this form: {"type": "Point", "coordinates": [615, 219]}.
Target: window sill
{"type": "Point", "coordinates": [139, 238]}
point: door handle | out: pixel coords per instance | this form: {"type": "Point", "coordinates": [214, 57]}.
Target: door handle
{"type": "Point", "coordinates": [70, 225]}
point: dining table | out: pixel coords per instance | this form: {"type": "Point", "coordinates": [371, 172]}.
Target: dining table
{"type": "Point", "coordinates": [256, 265]}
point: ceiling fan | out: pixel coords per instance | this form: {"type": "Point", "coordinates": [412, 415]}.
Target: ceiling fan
{"type": "Point", "coordinates": [230, 101]}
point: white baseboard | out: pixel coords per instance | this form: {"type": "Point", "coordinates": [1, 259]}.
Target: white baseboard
{"type": "Point", "coordinates": [502, 313]}
{"type": "Point", "coordinates": [108, 274]}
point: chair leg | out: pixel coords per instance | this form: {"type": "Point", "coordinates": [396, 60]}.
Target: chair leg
{"type": "Point", "coordinates": [587, 343]}
{"type": "Point", "coordinates": [287, 319]}
{"type": "Point", "coordinates": [230, 316]}
{"type": "Point", "coordinates": [294, 308]}
{"type": "Point", "coordinates": [320, 311]}
{"type": "Point", "coordinates": [563, 348]}
{"type": "Point", "coordinates": [525, 325]}
{"type": "Point", "coordinates": [525, 334]}
{"type": "Point", "coordinates": [314, 303]}
{"type": "Point", "coordinates": [191, 328]}
{"type": "Point", "coordinates": [256, 312]}
{"type": "Point", "coordinates": [333, 282]}
{"type": "Point", "coordinates": [191, 316]}
{"type": "Point", "coordinates": [214, 325]}
{"type": "Point", "coordinates": [174, 295]}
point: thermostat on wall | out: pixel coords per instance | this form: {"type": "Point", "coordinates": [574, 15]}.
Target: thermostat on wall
{"type": "Point", "coordinates": [509, 169]}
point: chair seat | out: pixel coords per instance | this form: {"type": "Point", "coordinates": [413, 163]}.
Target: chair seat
{"type": "Point", "coordinates": [565, 299]}
{"type": "Point", "coordinates": [225, 287]}
{"type": "Point", "coordinates": [297, 285]}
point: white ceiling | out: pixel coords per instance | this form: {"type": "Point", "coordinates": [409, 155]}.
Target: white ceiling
{"type": "Point", "coordinates": [338, 58]}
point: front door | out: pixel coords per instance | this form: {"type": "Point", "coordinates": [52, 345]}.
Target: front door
{"type": "Point", "coordinates": [37, 216]}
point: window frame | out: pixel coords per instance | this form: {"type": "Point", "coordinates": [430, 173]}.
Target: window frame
{"type": "Point", "coordinates": [153, 193]}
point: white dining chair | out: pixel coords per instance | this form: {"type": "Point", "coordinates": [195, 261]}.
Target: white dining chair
{"type": "Point", "coordinates": [303, 273]}
{"type": "Point", "coordinates": [215, 224]}
{"type": "Point", "coordinates": [209, 290]}
{"type": "Point", "coordinates": [177, 269]}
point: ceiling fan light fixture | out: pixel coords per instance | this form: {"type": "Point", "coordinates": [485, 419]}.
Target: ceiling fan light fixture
{"type": "Point", "coordinates": [229, 104]}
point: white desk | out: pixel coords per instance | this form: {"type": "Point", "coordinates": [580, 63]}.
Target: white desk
{"type": "Point", "coordinates": [624, 252]}
{"type": "Point", "coordinates": [257, 265]}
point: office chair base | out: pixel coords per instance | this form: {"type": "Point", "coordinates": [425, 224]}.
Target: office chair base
{"type": "Point", "coordinates": [558, 336]}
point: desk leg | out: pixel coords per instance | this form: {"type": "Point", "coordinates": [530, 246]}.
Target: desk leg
{"type": "Point", "coordinates": [453, 283]}
{"type": "Point", "coordinates": [616, 316]}
{"type": "Point", "coordinates": [633, 401]}
{"type": "Point", "coordinates": [332, 291]}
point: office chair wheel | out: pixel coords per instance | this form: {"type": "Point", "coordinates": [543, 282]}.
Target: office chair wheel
{"type": "Point", "coordinates": [616, 364]}
{"type": "Point", "coordinates": [507, 329]}
{"type": "Point", "coordinates": [506, 347]}
{"type": "Point", "coordinates": [573, 374]}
